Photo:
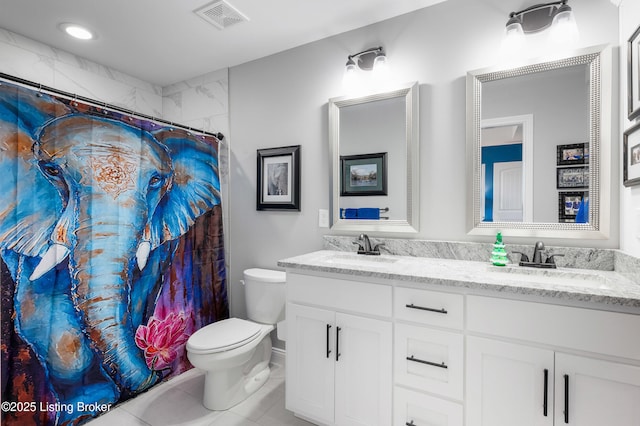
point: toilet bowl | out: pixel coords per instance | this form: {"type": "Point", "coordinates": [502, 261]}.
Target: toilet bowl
{"type": "Point", "coordinates": [234, 352]}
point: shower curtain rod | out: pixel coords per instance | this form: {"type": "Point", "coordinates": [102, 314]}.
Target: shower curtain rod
{"type": "Point", "coordinates": [73, 96]}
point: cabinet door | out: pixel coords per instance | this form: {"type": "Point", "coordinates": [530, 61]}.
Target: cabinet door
{"type": "Point", "coordinates": [506, 384]}
{"type": "Point", "coordinates": [599, 392]}
{"type": "Point", "coordinates": [310, 362]}
{"type": "Point", "coordinates": [363, 371]}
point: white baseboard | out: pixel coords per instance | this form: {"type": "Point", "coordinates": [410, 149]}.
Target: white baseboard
{"type": "Point", "coordinates": [278, 356]}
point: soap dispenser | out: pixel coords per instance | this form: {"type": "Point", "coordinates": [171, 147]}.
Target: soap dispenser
{"type": "Point", "coordinates": [499, 254]}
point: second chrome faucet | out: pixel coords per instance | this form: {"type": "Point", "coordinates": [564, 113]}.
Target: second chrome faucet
{"type": "Point", "coordinates": [536, 262]}
{"type": "Point", "coordinates": [364, 245]}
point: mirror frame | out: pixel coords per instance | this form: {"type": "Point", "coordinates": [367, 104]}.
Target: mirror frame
{"type": "Point", "coordinates": [599, 60]}
{"type": "Point", "coordinates": [409, 92]}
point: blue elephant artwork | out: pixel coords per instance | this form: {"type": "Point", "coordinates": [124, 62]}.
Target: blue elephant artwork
{"type": "Point", "coordinates": [112, 254]}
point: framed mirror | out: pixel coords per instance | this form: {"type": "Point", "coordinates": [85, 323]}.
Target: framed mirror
{"type": "Point", "coordinates": [374, 161]}
{"type": "Point", "coordinates": [539, 147]}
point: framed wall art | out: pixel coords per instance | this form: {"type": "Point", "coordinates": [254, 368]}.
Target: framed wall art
{"type": "Point", "coordinates": [278, 178]}
{"type": "Point", "coordinates": [631, 156]}
{"type": "Point", "coordinates": [364, 174]}
{"type": "Point", "coordinates": [569, 204]}
{"type": "Point", "coordinates": [576, 153]}
{"type": "Point", "coordinates": [633, 75]}
{"type": "Point", "coordinates": [572, 177]}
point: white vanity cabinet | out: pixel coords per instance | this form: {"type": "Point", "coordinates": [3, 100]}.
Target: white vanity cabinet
{"type": "Point", "coordinates": [428, 357]}
{"type": "Point", "coordinates": [339, 351]}
{"type": "Point", "coordinates": [538, 382]}
{"type": "Point", "coordinates": [367, 349]}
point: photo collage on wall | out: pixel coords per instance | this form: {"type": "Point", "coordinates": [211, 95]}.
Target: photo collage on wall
{"type": "Point", "coordinates": [572, 181]}
{"type": "Point", "coordinates": [631, 136]}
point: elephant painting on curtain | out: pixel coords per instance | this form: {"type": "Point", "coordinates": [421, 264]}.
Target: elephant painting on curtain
{"type": "Point", "coordinates": [111, 251]}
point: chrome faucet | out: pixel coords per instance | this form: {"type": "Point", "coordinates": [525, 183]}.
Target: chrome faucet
{"type": "Point", "coordinates": [537, 252]}
{"type": "Point", "coordinates": [536, 261]}
{"type": "Point", "coordinates": [364, 245]}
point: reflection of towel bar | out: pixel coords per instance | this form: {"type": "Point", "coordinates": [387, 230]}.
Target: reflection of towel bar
{"type": "Point", "coordinates": [354, 213]}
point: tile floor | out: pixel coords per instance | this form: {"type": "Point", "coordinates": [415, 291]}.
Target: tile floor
{"type": "Point", "coordinates": [179, 402]}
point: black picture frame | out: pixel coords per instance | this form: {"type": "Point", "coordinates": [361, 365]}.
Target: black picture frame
{"type": "Point", "coordinates": [572, 177]}
{"type": "Point", "coordinates": [570, 154]}
{"type": "Point", "coordinates": [364, 174]}
{"type": "Point", "coordinates": [278, 178]}
{"type": "Point", "coordinates": [569, 204]}
{"type": "Point", "coordinates": [633, 75]}
{"type": "Point", "coordinates": [631, 156]}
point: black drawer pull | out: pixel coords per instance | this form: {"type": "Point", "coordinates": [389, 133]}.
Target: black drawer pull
{"type": "Point", "coordinates": [545, 403]}
{"type": "Point", "coordinates": [338, 343]}
{"type": "Point", "coordinates": [421, 361]}
{"type": "Point", "coordinates": [422, 308]}
{"type": "Point", "coordinates": [566, 398]}
{"type": "Point", "coordinates": [328, 350]}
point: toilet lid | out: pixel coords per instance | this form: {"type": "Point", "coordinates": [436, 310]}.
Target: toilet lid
{"type": "Point", "coordinates": [266, 275]}
{"type": "Point", "coordinates": [223, 336]}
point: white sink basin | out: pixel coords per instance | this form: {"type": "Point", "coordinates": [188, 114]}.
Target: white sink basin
{"type": "Point", "coordinates": [560, 277]}
{"type": "Point", "coordinates": [359, 260]}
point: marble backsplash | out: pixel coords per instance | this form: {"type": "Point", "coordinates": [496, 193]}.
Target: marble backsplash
{"type": "Point", "coordinates": [574, 257]}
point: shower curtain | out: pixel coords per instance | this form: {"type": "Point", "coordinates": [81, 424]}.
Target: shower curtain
{"type": "Point", "coordinates": [111, 248]}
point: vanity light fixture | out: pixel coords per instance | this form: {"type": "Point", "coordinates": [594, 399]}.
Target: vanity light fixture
{"type": "Point", "coordinates": [557, 15]}
{"type": "Point", "coordinates": [373, 59]}
{"type": "Point", "coordinates": [77, 31]}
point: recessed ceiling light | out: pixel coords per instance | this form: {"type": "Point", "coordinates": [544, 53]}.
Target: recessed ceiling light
{"type": "Point", "coordinates": [77, 31]}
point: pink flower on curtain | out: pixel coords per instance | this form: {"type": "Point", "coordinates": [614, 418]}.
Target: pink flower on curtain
{"type": "Point", "coordinates": [161, 339]}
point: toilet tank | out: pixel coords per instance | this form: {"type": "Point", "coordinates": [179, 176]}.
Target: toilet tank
{"type": "Point", "coordinates": [264, 295]}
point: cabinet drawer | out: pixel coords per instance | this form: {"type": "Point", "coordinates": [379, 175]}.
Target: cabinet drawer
{"type": "Point", "coordinates": [353, 296]}
{"type": "Point", "coordinates": [414, 408]}
{"type": "Point", "coordinates": [429, 307]}
{"type": "Point", "coordinates": [429, 360]}
{"type": "Point", "coordinates": [604, 332]}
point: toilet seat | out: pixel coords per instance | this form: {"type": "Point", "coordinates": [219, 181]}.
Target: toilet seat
{"type": "Point", "coordinates": [223, 336]}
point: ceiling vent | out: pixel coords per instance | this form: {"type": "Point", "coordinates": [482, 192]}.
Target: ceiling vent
{"type": "Point", "coordinates": [221, 14]}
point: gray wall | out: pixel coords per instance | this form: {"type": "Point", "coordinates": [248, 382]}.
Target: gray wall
{"type": "Point", "coordinates": [630, 197]}
{"type": "Point", "coordinates": [282, 100]}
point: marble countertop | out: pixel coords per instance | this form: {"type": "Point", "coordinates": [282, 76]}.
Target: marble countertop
{"type": "Point", "coordinates": [562, 284]}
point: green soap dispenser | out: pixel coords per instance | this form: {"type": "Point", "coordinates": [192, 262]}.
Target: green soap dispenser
{"type": "Point", "coordinates": [499, 254]}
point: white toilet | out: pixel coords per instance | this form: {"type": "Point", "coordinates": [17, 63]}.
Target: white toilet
{"type": "Point", "coordinates": [235, 353]}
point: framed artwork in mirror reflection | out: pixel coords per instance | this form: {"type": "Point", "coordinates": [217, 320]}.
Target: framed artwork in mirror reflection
{"type": "Point", "coordinates": [571, 205]}
{"type": "Point", "coordinates": [633, 75]}
{"type": "Point", "coordinates": [364, 174]}
{"type": "Point", "coordinates": [571, 154]}
{"type": "Point", "coordinates": [631, 156]}
{"type": "Point", "coordinates": [278, 181]}
{"type": "Point", "coordinates": [572, 177]}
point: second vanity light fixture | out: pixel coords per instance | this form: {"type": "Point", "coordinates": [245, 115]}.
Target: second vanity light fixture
{"type": "Point", "coordinates": [373, 59]}
{"type": "Point", "coordinates": [557, 15]}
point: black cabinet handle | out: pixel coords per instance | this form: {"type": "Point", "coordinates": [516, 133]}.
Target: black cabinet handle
{"type": "Point", "coordinates": [566, 398]}
{"type": "Point", "coordinates": [411, 423]}
{"type": "Point", "coordinates": [422, 308]}
{"type": "Point", "coordinates": [421, 361]}
{"type": "Point", "coordinates": [546, 393]}
{"type": "Point", "coordinates": [328, 350]}
{"type": "Point", "coordinates": [338, 343]}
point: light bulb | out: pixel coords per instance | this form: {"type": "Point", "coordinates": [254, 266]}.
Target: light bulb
{"type": "Point", "coordinates": [564, 29]}
{"type": "Point", "coordinates": [380, 70]}
{"type": "Point", "coordinates": [514, 36]}
{"type": "Point", "coordinates": [76, 31]}
{"type": "Point", "coordinates": [349, 77]}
